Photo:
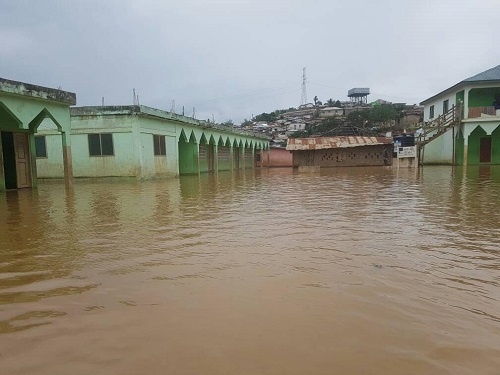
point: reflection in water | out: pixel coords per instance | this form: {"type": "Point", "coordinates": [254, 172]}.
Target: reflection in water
{"type": "Point", "coordinates": [363, 270]}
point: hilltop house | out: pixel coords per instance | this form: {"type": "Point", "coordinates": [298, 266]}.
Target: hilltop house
{"type": "Point", "coordinates": [474, 136]}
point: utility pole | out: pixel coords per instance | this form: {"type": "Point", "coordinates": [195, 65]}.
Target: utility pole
{"type": "Point", "coordinates": [194, 113]}
{"type": "Point", "coordinates": [303, 99]}
{"type": "Point", "coordinates": [135, 97]}
{"type": "Point", "coordinates": [172, 106]}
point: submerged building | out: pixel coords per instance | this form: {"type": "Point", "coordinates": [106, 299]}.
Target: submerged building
{"type": "Point", "coordinates": [23, 107]}
{"type": "Point", "coordinates": [463, 122]}
{"type": "Point", "coordinates": [143, 142]}
{"type": "Point", "coordinates": [341, 151]}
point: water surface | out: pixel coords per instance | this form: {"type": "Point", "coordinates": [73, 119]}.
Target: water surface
{"type": "Point", "coordinates": [351, 271]}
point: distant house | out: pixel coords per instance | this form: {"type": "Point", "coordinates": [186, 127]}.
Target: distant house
{"type": "Point", "coordinates": [379, 102]}
{"type": "Point", "coordinates": [331, 112]}
{"type": "Point", "coordinates": [471, 136]}
{"type": "Point", "coordinates": [341, 151]}
{"type": "Point", "coordinates": [296, 126]}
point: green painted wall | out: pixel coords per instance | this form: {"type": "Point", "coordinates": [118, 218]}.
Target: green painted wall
{"type": "Point", "coordinates": [483, 97]}
{"type": "Point", "coordinates": [459, 149]}
{"type": "Point", "coordinates": [188, 157]}
{"type": "Point", "coordinates": [473, 149]}
{"type": "Point", "coordinates": [460, 97]}
{"type": "Point", "coordinates": [495, 146]}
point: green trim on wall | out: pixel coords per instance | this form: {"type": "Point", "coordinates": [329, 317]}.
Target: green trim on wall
{"type": "Point", "coordinates": [188, 157]}
{"type": "Point", "coordinates": [495, 146]}
{"type": "Point", "coordinates": [459, 149]}
{"type": "Point", "coordinates": [460, 97]}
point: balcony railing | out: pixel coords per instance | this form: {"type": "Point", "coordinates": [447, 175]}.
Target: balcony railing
{"type": "Point", "coordinates": [475, 112]}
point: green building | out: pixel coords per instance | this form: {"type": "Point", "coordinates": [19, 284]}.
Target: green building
{"type": "Point", "coordinates": [470, 136]}
{"type": "Point", "coordinates": [143, 142]}
{"type": "Point", "coordinates": [23, 107]}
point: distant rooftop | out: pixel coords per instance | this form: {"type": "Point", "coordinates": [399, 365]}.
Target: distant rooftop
{"type": "Point", "coordinates": [37, 92]}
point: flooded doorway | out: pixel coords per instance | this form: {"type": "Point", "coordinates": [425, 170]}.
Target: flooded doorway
{"type": "Point", "coordinates": [16, 160]}
{"type": "Point", "coordinates": [485, 150]}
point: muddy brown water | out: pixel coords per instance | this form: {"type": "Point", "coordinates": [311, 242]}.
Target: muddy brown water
{"type": "Point", "coordinates": [350, 271]}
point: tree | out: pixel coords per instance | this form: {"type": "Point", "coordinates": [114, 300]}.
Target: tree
{"type": "Point", "coordinates": [315, 100]}
{"type": "Point", "coordinates": [246, 122]}
{"type": "Point", "coordinates": [383, 113]}
{"type": "Point", "coordinates": [228, 123]}
{"type": "Point", "coordinates": [330, 102]}
{"type": "Point", "coordinates": [338, 104]}
{"type": "Point", "coordinates": [358, 118]}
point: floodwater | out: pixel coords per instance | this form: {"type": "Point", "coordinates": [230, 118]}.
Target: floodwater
{"type": "Point", "coordinates": [351, 271]}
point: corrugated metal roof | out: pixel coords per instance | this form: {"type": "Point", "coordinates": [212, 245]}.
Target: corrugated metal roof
{"type": "Point", "coordinates": [320, 143]}
{"type": "Point", "coordinates": [492, 74]}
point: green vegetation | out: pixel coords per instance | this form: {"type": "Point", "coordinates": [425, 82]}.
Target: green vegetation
{"type": "Point", "coordinates": [378, 114]}
{"type": "Point", "coordinates": [272, 116]}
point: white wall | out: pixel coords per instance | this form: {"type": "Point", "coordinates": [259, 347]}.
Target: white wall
{"type": "Point", "coordinates": [440, 150]}
{"type": "Point", "coordinates": [438, 105]}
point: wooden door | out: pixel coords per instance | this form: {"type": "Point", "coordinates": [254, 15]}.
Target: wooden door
{"type": "Point", "coordinates": [485, 150]}
{"type": "Point", "coordinates": [22, 155]}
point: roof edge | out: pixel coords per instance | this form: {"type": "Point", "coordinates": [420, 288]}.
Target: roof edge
{"type": "Point", "coordinates": [38, 92]}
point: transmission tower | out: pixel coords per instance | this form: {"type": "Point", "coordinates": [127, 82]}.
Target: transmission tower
{"type": "Point", "coordinates": [303, 99]}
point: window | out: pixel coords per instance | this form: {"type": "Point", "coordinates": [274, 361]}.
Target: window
{"type": "Point", "coordinates": [159, 145]}
{"type": "Point", "coordinates": [446, 106]}
{"type": "Point", "coordinates": [40, 146]}
{"type": "Point", "coordinates": [431, 112]}
{"type": "Point", "coordinates": [101, 144]}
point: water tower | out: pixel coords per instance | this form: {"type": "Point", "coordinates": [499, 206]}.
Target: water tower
{"type": "Point", "coordinates": [359, 95]}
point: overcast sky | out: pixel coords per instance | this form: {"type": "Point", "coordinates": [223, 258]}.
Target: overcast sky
{"type": "Point", "coordinates": [232, 59]}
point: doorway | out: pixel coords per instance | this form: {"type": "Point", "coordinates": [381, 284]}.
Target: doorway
{"type": "Point", "coordinates": [16, 160]}
{"type": "Point", "coordinates": [485, 150]}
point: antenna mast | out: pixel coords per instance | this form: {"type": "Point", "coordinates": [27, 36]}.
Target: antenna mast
{"type": "Point", "coordinates": [303, 99]}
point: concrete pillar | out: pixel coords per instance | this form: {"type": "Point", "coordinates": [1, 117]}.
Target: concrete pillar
{"type": "Point", "coordinates": [466, 149]}
{"type": "Point", "coordinates": [466, 103]}
{"type": "Point", "coordinates": [67, 160]}
{"type": "Point", "coordinates": [2, 176]}
{"type": "Point", "coordinates": [32, 152]}
{"type": "Point", "coordinates": [216, 158]}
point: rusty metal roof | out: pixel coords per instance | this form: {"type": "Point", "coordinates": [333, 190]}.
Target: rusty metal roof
{"type": "Point", "coordinates": [320, 143]}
